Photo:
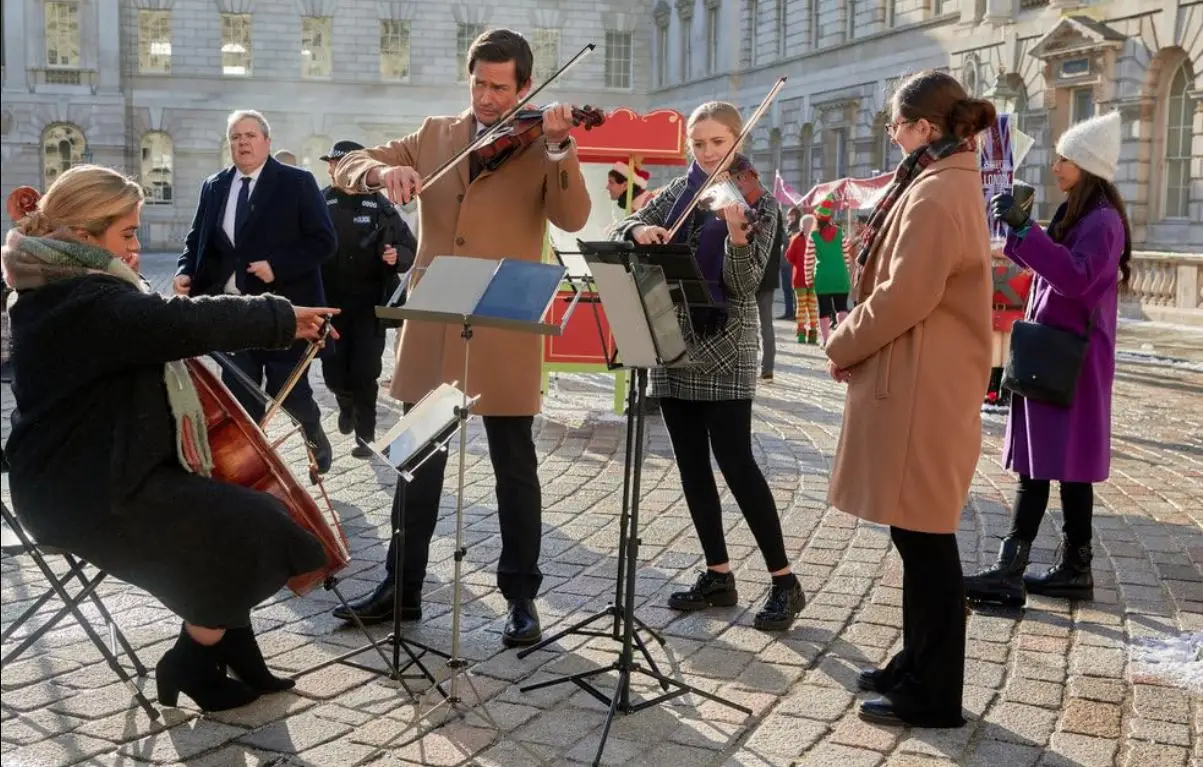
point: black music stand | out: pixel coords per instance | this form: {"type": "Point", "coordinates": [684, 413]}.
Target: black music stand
{"type": "Point", "coordinates": [505, 294]}
{"type": "Point", "coordinates": [631, 282]}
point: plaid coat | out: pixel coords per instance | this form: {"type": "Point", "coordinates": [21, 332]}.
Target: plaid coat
{"type": "Point", "coordinates": [728, 360]}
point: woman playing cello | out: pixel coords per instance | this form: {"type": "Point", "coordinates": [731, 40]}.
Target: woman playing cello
{"type": "Point", "coordinates": [109, 454]}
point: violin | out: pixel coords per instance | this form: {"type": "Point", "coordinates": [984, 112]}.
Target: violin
{"type": "Point", "coordinates": [738, 184]}
{"type": "Point", "coordinates": [524, 129]}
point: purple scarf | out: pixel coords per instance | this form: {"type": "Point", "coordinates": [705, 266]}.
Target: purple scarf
{"type": "Point", "coordinates": [705, 232]}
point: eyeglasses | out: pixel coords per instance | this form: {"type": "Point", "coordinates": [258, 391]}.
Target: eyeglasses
{"type": "Point", "coordinates": [893, 127]}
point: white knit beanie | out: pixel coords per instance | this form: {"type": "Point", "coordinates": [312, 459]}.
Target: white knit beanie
{"type": "Point", "coordinates": [1093, 145]}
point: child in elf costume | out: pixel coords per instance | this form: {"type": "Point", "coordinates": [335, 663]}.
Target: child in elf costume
{"type": "Point", "coordinates": [802, 258]}
{"type": "Point", "coordinates": [832, 282]}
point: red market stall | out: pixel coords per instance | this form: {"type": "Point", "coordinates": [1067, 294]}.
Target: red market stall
{"type": "Point", "coordinates": [654, 138]}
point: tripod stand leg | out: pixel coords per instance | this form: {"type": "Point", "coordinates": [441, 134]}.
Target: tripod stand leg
{"type": "Point", "coordinates": [681, 689]}
{"type": "Point", "coordinates": [624, 679]}
{"type": "Point", "coordinates": [570, 630]}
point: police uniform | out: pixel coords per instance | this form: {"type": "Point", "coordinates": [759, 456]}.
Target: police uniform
{"type": "Point", "coordinates": [357, 280]}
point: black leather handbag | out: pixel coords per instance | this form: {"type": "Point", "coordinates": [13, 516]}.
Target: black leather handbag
{"type": "Point", "coordinates": [1046, 362]}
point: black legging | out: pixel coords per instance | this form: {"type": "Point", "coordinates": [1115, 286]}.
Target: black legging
{"type": "Point", "coordinates": [695, 428]}
{"type": "Point", "coordinates": [1031, 499]}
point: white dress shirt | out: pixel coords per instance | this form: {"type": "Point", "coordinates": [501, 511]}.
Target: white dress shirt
{"type": "Point", "coordinates": [227, 221]}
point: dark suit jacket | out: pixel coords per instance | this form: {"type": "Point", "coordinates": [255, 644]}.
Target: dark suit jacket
{"type": "Point", "coordinates": [288, 227]}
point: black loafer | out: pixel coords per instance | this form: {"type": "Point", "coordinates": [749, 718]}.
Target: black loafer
{"type": "Point", "coordinates": [871, 680]}
{"type": "Point", "coordinates": [521, 624]}
{"type": "Point", "coordinates": [377, 607]}
{"type": "Point", "coordinates": [885, 711]}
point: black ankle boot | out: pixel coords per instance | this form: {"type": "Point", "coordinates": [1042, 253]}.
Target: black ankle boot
{"type": "Point", "coordinates": [240, 652]}
{"type": "Point", "coordinates": [712, 589]}
{"type": "Point", "coordinates": [781, 608]}
{"type": "Point", "coordinates": [1003, 583]}
{"type": "Point", "coordinates": [193, 669]}
{"type": "Point", "coordinates": [1069, 577]}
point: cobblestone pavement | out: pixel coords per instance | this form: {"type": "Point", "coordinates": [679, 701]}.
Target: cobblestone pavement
{"type": "Point", "coordinates": [1106, 683]}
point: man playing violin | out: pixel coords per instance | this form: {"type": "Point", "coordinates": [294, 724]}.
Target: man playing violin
{"type": "Point", "coordinates": [477, 212]}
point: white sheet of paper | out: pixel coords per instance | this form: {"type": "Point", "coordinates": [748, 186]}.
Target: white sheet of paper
{"type": "Point", "coordinates": [417, 428]}
{"type": "Point", "coordinates": [620, 297]}
{"type": "Point", "coordinates": [451, 284]}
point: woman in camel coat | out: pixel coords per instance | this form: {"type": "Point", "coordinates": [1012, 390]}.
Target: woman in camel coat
{"type": "Point", "coordinates": [915, 353]}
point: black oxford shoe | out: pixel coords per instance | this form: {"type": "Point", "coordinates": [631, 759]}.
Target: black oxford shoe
{"type": "Point", "coordinates": [377, 607]}
{"type": "Point", "coordinates": [885, 711]}
{"type": "Point", "coordinates": [521, 624]}
{"type": "Point", "coordinates": [870, 680]}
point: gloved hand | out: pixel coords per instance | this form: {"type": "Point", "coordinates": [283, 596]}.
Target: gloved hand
{"type": "Point", "coordinates": [1005, 208]}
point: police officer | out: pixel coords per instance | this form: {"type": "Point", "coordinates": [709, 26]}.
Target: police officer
{"type": "Point", "coordinates": [374, 247]}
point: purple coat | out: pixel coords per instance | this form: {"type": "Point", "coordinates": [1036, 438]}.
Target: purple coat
{"type": "Point", "coordinates": [1073, 278]}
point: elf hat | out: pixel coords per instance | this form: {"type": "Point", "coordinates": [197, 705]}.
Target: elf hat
{"type": "Point", "coordinates": [641, 176]}
{"type": "Point", "coordinates": [826, 209]}
{"type": "Point", "coordinates": [1093, 145]}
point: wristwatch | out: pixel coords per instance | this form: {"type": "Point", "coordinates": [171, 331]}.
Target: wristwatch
{"type": "Point", "coordinates": [560, 147]}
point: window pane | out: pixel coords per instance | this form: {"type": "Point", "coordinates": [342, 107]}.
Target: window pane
{"type": "Point", "coordinates": [154, 42]}
{"type": "Point", "coordinates": [317, 59]}
{"type": "Point", "coordinates": [62, 147]}
{"type": "Point", "coordinates": [545, 45]}
{"type": "Point", "coordinates": [618, 59]}
{"type": "Point", "coordinates": [662, 55]}
{"type": "Point", "coordinates": [157, 168]}
{"type": "Point", "coordinates": [394, 50]}
{"type": "Point", "coordinates": [236, 44]}
{"type": "Point", "coordinates": [1083, 105]}
{"type": "Point", "coordinates": [62, 34]}
{"type": "Point", "coordinates": [464, 35]}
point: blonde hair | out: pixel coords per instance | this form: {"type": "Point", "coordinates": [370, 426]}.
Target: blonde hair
{"type": "Point", "coordinates": [722, 112]}
{"type": "Point", "coordinates": [87, 197]}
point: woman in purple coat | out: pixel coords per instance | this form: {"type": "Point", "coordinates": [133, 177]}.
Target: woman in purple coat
{"type": "Point", "coordinates": [1080, 263]}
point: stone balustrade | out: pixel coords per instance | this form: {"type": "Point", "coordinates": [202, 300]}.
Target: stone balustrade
{"type": "Point", "coordinates": [1167, 287]}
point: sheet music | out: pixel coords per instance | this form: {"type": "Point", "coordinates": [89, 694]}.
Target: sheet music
{"type": "Point", "coordinates": [661, 314]}
{"type": "Point", "coordinates": [620, 297]}
{"type": "Point", "coordinates": [452, 285]}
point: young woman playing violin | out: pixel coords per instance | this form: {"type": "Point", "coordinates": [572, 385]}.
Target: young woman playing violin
{"type": "Point", "coordinates": [109, 452]}
{"type": "Point", "coordinates": [709, 406]}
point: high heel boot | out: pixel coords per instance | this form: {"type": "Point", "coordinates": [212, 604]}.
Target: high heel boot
{"type": "Point", "coordinates": [1003, 583]}
{"type": "Point", "coordinates": [239, 650]}
{"type": "Point", "coordinates": [192, 668]}
{"type": "Point", "coordinates": [1069, 577]}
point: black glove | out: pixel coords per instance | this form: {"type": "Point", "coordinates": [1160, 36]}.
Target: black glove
{"type": "Point", "coordinates": [1006, 208]}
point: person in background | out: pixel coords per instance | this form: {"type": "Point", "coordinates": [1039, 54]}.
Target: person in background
{"type": "Point", "coordinates": [792, 218]}
{"type": "Point", "coordinates": [832, 279]}
{"type": "Point", "coordinates": [1080, 262]}
{"type": "Point", "coordinates": [286, 157]}
{"type": "Point", "coordinates": [708, 406]}
{"type": "Point", "coordinates": [764, 300]}
{"type": "Point", "coordinates": [262, 227]}
{"type": "Point", "coordinates": [625, 187]}
{"type": "Point", "coordinates": [801, 257]}
{"type": "Point", "coordinates": [915, 353]}
{"type": "Point", "coordinates": [374, 245]}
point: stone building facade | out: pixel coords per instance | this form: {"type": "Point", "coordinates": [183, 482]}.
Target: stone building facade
{"type": "Point", "coordinates": [146, 85]}
{"type": "Point", "coordinates": [1051, 62]}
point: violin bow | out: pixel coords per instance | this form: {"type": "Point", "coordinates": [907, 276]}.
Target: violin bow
{"type": "Point", "coordinates": [722, 165]}
{"type": "Point", "coordinates": [494, 130]}
{"type": "Point", "coordinates": [295, 376]}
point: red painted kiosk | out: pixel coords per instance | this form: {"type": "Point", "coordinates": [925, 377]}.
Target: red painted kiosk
{"type": "Point", "coordinates": [655, 138]}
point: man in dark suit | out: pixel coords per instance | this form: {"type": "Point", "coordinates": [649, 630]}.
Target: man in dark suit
{"type": "Point", "coordinates": [262, 227]}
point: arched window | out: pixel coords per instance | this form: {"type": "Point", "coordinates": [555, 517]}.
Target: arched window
{"type": "Point", "coordinates": [311, 153]}
{"type": "Point", "coordinates": [1179, 127]}
{"type": "Point", "coordinates": [157, 168]}
{"type": "Point", "coordinates": [63, 145]}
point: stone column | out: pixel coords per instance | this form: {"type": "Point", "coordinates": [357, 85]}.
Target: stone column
{"type": "Point", "coordinates": [108, 45]}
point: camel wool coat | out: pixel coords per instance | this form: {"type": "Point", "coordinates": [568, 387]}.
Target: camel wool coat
{"type": "Point", "coordinates": [918, 348]}
{"type": "Point", "coordinates": [501, 214]}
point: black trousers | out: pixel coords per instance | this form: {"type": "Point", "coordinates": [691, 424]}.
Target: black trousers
{"type": "Point", "coordinates": [519, 510]}
{"type": "Point", "coordinates": [696, 427]}
{"type": "Point", "coordinates": [270, 368]}
{"type": "Point", "coordinates": [1031, 500]}
{"type": "Point", "coordinates": [928, 675]}
{"type": "Point", "coordinates": [352, 371]}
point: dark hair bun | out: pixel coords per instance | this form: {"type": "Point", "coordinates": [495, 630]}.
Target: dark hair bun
{"type": "Point", "coordinates": [971, 116]}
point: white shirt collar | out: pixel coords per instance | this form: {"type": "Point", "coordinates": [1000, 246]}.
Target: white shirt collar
{"type": "Point", "coordinates": [253, 175]}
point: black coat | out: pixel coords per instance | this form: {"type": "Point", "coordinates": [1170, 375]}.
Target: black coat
{"type": "Point", "coordinates": [772, 270]}
{"type": "Point", "coordinates": [365, 224]}
{"type": "Point", "coordinates": [93, 448]}
{"type": "Point", "coordinates": [288, 227]}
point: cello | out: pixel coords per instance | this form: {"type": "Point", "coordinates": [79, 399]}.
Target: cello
{"type": "Point", "coordinates": [242, 454]}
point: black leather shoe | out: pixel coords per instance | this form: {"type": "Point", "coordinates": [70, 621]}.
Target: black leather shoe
{"type": "Point", "coordinates": [871, 680]}
{"type": "Point", "coordinates": [887, 712]}
{"type": "Point", "coordinates": [521, 624]}
{"type": "Point", "coordinates": [377, 607]}
{"type": "Point", "coordinates": [346, 420]}
{"type": "Point", "coordinates": [361, 451]}
{"type": "Point", "coordinates": [322, 452]}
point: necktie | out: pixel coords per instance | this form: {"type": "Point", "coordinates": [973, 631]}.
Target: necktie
{"type": "Point", "coordinates": [242, 208]}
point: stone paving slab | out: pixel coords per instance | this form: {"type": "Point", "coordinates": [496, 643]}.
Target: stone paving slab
{"type": "Point", "coordinates": [1057, 684]}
